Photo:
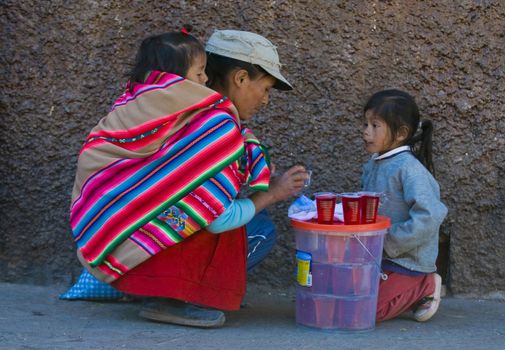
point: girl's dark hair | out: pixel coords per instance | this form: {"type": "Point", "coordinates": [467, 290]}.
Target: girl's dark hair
{"type": "Point", "coordinates": [218, 68]}
{"type": "Point", "coordinates": [398, 109]}
{"type": "Point", "coordinates": [171, 52]}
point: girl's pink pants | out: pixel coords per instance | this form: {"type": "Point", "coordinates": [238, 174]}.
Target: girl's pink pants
{"type": "Point", "coordinates": [400, 292]}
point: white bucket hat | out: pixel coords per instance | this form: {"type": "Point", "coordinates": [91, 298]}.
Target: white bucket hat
{"type": "Point", "coordinates": [248, 47]}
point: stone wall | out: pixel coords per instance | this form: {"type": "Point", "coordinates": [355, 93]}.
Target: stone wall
{"type": "Point", "coordinates": [64, 63]}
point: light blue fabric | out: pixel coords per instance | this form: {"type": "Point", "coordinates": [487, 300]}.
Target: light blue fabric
{"type": "Point", "coordinates": [413, 204]}
{"type": "Point", "coordinates": [239, 213]}
{"type": "Point", "coordinates": [88, 287]}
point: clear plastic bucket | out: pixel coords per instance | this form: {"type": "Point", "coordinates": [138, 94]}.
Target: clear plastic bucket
{"type": "Point", "coordinates": [345, 271]}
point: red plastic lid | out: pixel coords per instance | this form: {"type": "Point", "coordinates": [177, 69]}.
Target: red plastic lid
{"type": "Point", "coordinates": [383, 222]}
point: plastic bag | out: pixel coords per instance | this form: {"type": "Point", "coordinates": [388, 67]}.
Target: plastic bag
{"type": "Point", "coordinates": [302, 209]}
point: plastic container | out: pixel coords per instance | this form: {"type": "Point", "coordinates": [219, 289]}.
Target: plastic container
{"type": "Point", "coordinates": [360, 207]}
{"type": "Point", "coordinates": [345, 272]}
{"type": "Point", "coordinates": [325, 204]}
{"type": "Point", "coordinates": [369, 203]}
{"type": "Point", "coordinates": [351, 208]}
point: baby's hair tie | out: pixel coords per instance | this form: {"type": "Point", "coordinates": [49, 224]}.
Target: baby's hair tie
{"type": "Point", "coordinates": [186, 28]}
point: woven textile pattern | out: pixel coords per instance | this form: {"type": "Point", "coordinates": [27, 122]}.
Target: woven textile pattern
{"type": "Point", "coordinates": [168, 145]}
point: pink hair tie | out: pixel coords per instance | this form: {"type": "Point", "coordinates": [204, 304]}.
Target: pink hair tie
{"type": "Point", "coordinates": [184, 31]}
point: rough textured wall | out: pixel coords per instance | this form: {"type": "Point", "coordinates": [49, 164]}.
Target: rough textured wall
{"type": "Point", "coordinates": [63, 64]}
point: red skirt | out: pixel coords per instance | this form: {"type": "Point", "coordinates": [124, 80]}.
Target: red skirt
{"type": "Point", "coordinates": [205, 269]}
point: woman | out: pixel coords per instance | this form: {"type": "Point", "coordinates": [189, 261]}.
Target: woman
{"type": "Point", "coordinates": [166, 219]}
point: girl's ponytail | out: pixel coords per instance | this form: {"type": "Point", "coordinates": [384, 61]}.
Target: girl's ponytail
{"type": "Point", "coordinates": [423, 137]}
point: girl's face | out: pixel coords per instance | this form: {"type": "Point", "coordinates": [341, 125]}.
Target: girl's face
{"type": "Point", "coordinates": [250, 95]}
{"type": "Point", "coordinates": [196, 71]}
{"type": "Point", "coordinates": [377, 135]}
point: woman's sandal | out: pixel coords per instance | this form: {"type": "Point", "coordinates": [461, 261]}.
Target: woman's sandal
{"type": "Point", "coordinates": [428, 306]}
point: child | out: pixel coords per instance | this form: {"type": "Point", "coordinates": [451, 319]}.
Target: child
{"type": "Point", "coordinates": [403, 173]}
{"type": "Point", "coordinates": [174, 52]}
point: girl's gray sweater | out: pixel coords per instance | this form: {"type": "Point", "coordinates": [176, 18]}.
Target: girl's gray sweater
{"type": "Point", "coordinates": [413, 204]}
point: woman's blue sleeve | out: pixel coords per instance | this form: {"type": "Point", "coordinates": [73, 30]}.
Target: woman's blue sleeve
{"type": "Point", "coordinates": [239, 213]}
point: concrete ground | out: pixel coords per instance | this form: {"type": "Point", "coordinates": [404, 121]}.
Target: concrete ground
{"type": "Point", "coordinates": [32, 317]}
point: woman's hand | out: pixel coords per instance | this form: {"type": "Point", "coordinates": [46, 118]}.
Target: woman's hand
{"type": "Point", "coordinates": [289, 183]}
{"type": "Point", "coordinates": [281, 188]}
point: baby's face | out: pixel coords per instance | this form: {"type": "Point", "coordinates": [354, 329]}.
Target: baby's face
{"type": "Point", "coordinates": [196, 71]}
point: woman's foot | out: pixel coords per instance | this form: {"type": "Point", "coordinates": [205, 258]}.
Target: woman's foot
{"type": "Point", "coordinates": [181, 313]}
{"type": "Point", "coordinates": [428, 306]}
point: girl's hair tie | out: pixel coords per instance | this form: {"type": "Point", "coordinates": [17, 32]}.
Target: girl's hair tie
{"type": "Point", "coordinates": [184, 31]}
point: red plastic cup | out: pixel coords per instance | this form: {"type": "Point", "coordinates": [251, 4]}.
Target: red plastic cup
{"type": "Point", "coordinates": [351, 208]}
{"type": "Point", "coordinates": [369, 203]}
{"type": "Point", "coordinates": [325, 311]}
{"type": "Point", "coordinates": [336, 247]}
{"type": "Point", "coordinates": [325, 203]}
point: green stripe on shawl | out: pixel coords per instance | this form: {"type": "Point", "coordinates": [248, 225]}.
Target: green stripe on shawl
{"type": "Point", "coordinates": [182, 193]}
{"type": "Point", "coordinates": [167, 230]}
{"type": "Point", "coordinates": [260, 187]}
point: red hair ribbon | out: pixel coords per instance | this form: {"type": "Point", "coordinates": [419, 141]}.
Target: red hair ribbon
{"type": "Point", "coordinates": [184, 31]}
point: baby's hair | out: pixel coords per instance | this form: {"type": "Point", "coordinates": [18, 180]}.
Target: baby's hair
{"type": "Point", "coordinates": [171, 52]}
{"type": "Point", "coordinates": [399, 109]}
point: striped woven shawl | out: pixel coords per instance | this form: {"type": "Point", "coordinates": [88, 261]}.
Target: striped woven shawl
{"type": "Point", "coordinates": [170, 145]}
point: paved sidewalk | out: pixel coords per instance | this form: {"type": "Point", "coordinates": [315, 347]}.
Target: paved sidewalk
{"type": "Point", "coordinates": [32, 317]}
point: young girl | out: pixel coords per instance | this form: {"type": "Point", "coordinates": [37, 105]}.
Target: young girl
{"type": "Point", "coordinates": [402, 172]}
